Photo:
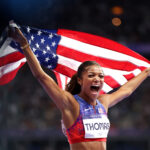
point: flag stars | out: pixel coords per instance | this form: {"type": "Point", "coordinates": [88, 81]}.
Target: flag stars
{"type": "Point", "coordinates": [37, 55]}
{"type": "Point", "coordinates": [47, 59]}
{"type": "Point", "coordinates": [39, 33]}
{"type": "Point", "coordinates": [32, 38]}
{"type": "Point", "coordinates": [54, 55]}
{"type": "Point", "coordinates": [53, 44]}
{"type": "Point", "coordinates": [44, 52]}
{"type": "Point", "coordinates": [49, 66]}
{"type": "Point", "coordinates": [37, 45]}
{"type": "Point", "coordinates": [34, 49]}
{"type": "Point", "coordinates": [48, 48]}
{"type": "Point", "coordinates": [29, 41]}
{"type": "Point", "coordinates": [50, 36]}
{"type": "Point", "coordinates": [28, 29]}
{"type": "Point", "coordinates": [16, 44]}
{"type": "Point", "coordinates": [42, 40]}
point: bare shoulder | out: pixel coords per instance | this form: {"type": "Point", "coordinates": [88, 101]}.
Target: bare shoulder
{"type": "Point", "coordinates": [71, 110]}
{"type": "Point", "coordinates": [103, 97]}
{"type": "Point", "coordinates": [71, 101]}
{"type": "Point", "coordinates": [71, 106]}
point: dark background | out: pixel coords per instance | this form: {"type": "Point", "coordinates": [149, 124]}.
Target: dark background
{"type": "Point", "coordinates": [28, 119]}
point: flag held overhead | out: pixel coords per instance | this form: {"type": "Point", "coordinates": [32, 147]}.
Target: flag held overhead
{"type": "Point", "coordinates": [64, 50]}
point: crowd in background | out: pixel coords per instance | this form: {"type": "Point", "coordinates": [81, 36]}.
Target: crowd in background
{"type": "Point", "coordinates": [28, 113]}
{"type": "Point", "coordinates": [25, 105]}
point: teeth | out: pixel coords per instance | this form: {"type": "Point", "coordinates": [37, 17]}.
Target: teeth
{"type": "Point", "coordinates": [96, 85]}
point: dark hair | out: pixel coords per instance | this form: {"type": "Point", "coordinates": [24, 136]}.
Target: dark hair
{"type": "Point", "coordinates": [73, 86]}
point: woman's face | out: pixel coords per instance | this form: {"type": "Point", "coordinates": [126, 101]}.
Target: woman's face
{"type": "Point", "coordinates": [91, 81]}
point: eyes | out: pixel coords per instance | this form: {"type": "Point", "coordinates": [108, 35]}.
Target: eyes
{"type": "Point", "coordinates": [92, 75]}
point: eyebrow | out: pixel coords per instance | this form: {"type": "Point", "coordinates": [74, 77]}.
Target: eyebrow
{"type": "Point", "coordinates": [87, 70]}
{"type": "Point", "coordinates": [94, 72]}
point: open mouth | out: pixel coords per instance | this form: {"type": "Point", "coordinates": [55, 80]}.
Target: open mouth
{"type": "Point", "coordinates": [95, 88]}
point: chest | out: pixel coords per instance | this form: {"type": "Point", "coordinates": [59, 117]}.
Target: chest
{"type": "Point", "coordinates": [89, 111]}
{"type": "Point", "coordinates": [95, 121]}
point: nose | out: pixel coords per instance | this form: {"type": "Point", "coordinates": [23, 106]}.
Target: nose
{"type": "Point", "coordinates": [96, 79]}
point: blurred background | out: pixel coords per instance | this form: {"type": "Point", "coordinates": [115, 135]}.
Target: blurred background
{"type": "Point", "coordinates": [28, 118]}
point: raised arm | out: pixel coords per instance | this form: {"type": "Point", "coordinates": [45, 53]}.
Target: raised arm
{"type": "Point", "coordinates": [59, 96]}
{"type": "Point", "coordinates": [125, 90]}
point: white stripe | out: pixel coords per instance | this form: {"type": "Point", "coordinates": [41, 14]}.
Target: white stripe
{"type": "Point", "coordinates": [99, 51]}
{"type": "Point", "coordinates": [71, 63]}
{"type": "Point", "coordinates": [6, 48]}
{"type": "Point", "coordinates": [63, 81]}
{"type": "Point", "coordinates": [136, 72]}
{"type": "Point", "coordinates": [116, 75]}
{"type": "Point", "coordinates": [68, 80]}
{"type": "Point", "coordinates": [10, 67]}
{"type": "Point", "coordinates": [106, 88]}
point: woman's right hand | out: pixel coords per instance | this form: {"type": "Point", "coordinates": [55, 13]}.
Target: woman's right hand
{"type": "Point", "coordinates": [17, 35]}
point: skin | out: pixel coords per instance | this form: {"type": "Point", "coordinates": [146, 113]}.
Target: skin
{"type": "Point", "coordinates": [92, 76]}
{"type": "Point", "coordinates": [65, 101]}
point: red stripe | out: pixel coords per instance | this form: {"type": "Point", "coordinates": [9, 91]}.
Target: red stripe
{"type": "Point", "coordinates": [58, 79]}
{"type": "Point", "coordinates": [101, 42]}
{"type": "Point", "coordinates": [10, 58]}
{"type": "Point", "coordinates": [129, 76]}
{"type": "Point", "coordinates": [81, 57]}
{"type": "Point", "coordinates": [66, 81]}
{"type": "Point", "coordinates": [101, 92]}
{"type": "Point", "coordinates": [141, 68]}
{"type": "Point", "coordinates": [65, 70]}
{"type": "Point", "coordinates": [111, 82]}
{"type": "Point", "coordinates": [10, 76]}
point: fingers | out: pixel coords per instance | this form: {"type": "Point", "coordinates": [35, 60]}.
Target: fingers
{"type": "Point", "coordinates": [17, 35]}
{"type": "Point", "coordinates": [12, 33]}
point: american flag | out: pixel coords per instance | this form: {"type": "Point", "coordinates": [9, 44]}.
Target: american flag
{"type": "Point", "coordinates": [64, 50]}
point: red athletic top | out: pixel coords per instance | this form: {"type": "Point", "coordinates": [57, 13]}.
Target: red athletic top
{"type": "Point", "coordinates": [76, 133]}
